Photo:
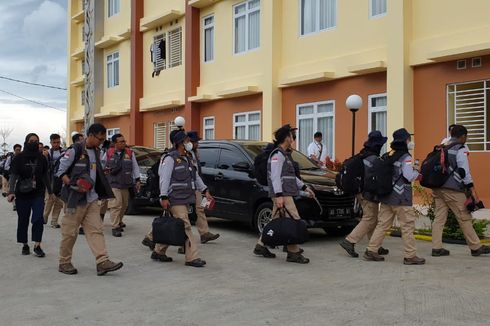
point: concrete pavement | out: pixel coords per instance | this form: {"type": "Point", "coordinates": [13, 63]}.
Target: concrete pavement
{"type": "Point", "coordinates": [236, 288]}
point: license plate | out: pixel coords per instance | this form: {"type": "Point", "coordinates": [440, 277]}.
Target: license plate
{"type": "Point", "coordinates": [339, 212]}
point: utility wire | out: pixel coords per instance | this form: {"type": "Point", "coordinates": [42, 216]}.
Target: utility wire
{"type": "Point", "coordinates": [35, 102]}
{"type": "Point", "coordinates": [34, 84]}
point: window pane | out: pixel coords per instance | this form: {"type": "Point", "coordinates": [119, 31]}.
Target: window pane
{"type": "Point", "coordinates": [378, 7]}
{"type": "Point", "coordinates": [254, 30]}
{"type": "Point", "coordinates": [325, 125]}
{"type": "Point", "coordinates": [109, 75]}
{"type": "Point", "coordinates": [378, 101]}
{"type": "Point", "coordinates": [240, 9]}
{"type": "Point", "coordinates": [325, 108]}
{"type": "Point", "coordinates": [208, 44]}
{"type": "Point", "coordinates": [209, 134]}
{"type": "Point", "coordinates": [208, 156]}
{"type": "Point", "coordinates": [328, 13]}
{"type": "Point", "coordinates": [306, 110]}
{"type": "Point", "coordinates": [240, 34]}
{"type": "Point", "coordinates": [254, 4]}
{"type": "Point", "coordinates": [209, 20]}
{"type": "Point", "coordinates": [228, 158]}
{"type": "Point", "coordinates": [240, 132]}
{"type": "Point", "coordinates": [254, 117]}
{"type": "Point", "coordinates": [209, 122]}
{"type": "Point", "coordinates": [305, 134]}
{"type": "Point", "coordinates": [254, 132]}
{"type": "Point", "coordinates": [116, 72]}
{"type": "Point", "coordinates": [308, 16]}
{"type": "Point", "coordinates": [240, 118]}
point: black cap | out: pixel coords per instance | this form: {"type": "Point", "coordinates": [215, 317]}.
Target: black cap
{"type": "Point", "coordinates": [401, 135]}
{"type": "Point", "coordinates": [375, 138]}
{"type": "Point", "coordinates": [193, 136]}
{"type": "Point", "coordinates": [179, 137]}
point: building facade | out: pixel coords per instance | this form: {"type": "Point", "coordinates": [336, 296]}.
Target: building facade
{"type": "Point", "coordinates": [241, 68]}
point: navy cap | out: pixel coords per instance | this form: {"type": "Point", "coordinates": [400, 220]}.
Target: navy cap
{"type": "Point", "coordinates": [179, 137]}
{"type": "Point", "coordinates": [375, 138]}
{"type": "Point", "coordinates": [401, 135]}
{"type": "Point", "coordinates": [193, 136]}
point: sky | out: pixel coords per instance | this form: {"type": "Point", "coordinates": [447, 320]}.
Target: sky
{"type": "Point", "coordinates": [33, 48]}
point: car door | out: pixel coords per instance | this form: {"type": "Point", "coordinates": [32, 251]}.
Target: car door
{"type": "Point", "coordinates": [208, 156]}
{"type": "Point", "coordinates": [235, 182]}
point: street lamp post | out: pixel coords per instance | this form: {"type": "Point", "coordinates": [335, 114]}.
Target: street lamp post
{"type": "Point", "coordinates": [353, 103]}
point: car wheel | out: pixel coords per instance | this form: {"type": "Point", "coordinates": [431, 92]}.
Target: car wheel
{"type": "Point", "coordinates": [263, 215]}
{"type": "Point", "coordinates": [338, 231]}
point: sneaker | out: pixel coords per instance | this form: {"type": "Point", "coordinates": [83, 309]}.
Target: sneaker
{"type": "Point", "coordinates": [383, 251]}
{"type": "Point", "coordinates": [198, 262]}
{"type": "Point", "coordinates": [161, 258]}
{"type": "Point", "coordinates": [116, 233]}
{"type": "Point", "coordinates": [122, 225]}
{"type": "Point", "coordinates": [349, 247]}
{"type": "Point", "coordinates": [209, 237]}
{"type": "Point", "coordinates": [440, 252]}
{"type": "Point", "coordinates": [25, 250]}
{"type": "Point", "coordinates": [296, 257]}
{"type": "Point", "coordinates": [373, 256]}
{"type": "Point", "coordinates": [81, 231]}
{"type": "Point", "coordinates": [483, 250]}
{"type": "Point", "coordinates": [107, 267]}
{"type": "Point", "coordinates": [120, 229]}
{"type": "Point", "coordinates": [414, 261]}
{"type": "Point", "coordinates": [55, 226]}
{"type": "Point", "coordinates": [285, 249]}
{"type": "Point", "coordinates": [263, 251]}
{"type": "Point", "coordinates": [67, 269]}
{"type": "Point", "coordinates": [181, 250]}
{"type": "Point", "coordinates": [39, 252]}
{"type": "Point", "coordinates": [148, 243]}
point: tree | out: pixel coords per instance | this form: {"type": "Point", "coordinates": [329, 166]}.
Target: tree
{"type": "Point", "coordinates": [5, 133]}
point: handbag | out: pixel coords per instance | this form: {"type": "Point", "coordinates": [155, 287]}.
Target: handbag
{"type": "Point", "coordinates": [284, 230]}
{"type": "Point", "coordinates": [28, 185]}
{"type": "Point", "coordinates": [169, 230]}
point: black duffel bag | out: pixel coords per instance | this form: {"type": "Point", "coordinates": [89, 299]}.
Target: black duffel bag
{"type": "Point", "coordinates": [284, 230]}
{"type": "Point", "coordinates": [169, 230]}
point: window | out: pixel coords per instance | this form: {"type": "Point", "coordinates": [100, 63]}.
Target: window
{"type": "Point", "coordinates": [208, 128]}
{"type": "Point", "coordinates": [377, 8]}
{"type": "Point", "coordinates": [228, 158]}
{"type": "Point", "coordinates": [378, 115]}
{"type": "Point", "coordinates": [317, 15]}
{"type": "Point", "coordinates": [82, 98]}
{"type": "Point", "coordinates": [208, 156]}
{"type": "Point", "coordinates": [246, 26]}
{"type": "Point", "coordinates": [159, 52]}
{"type": "Point", "coordinates": [313, 117]}
{"type": "Point", "coordinates": [468, 105]}
{"type": "Point", "coordinates": [113, 7]}
{"type": "Point", "coordinates": [208, 39]}
{"type": "Point", "coordinates": [161, 134]}
{"type": "Point", "coordinates": [175, 47]}
{"type": "Point", "coordinates": [113, 70]}
{"type": "Point", "coordinates": [246, 126]}
{"type": "Point", "coordinates": [111, 132]}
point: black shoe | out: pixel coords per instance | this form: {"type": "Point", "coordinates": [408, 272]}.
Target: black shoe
{"type": "Point", "coordinates": [296, 257]}
{"type": "Point", "coordinates": [263, 251]}
{"type": "Point", "coordinates": [440, 252]}
{"type": "Point", "coordinates": [483, 250]}
{"type": "Point", "coordinates": [25, 250]}
{"type": "Point", "coordinates": [120, 229]}
{"type": "Point", "coordinates": [162, 258]}
{"type": "Point", "coordinates": [39, 252]}
{"type": "Point", "coordinates": [198, 262]}
{"type": "Point", "coordinates": [383, 251]}
{"type": "Point", "coordinates": [181, 250]}
{"type": "Point", "coordinates": [285, 249]}
{"type": "Point", "coordinates": [116, 233]}
{"type": "Point", "coordinates": [122, 225]}
{"type": "Point", "coordinates": [81, 231]}
{"type": "Point", "coordinates": [349, 247]}
{"type": "Point", "coordinates": [148, 243]}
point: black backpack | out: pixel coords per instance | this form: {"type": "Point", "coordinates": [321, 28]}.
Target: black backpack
{"type": "Point", "coordinates": [153, 181]}
{"type": "Point", "coordinates": [378, 179]}
{"type": "Point", "coordinates": [351, 174]}
{"type": "Point", "coordinates": [284, 231]}
{"type": "Point", "coordinates": [169, 230]}
{"type": "Point", "coordinates": [435, 168]}
{"type": "Point", "coordinates": [260, 164]}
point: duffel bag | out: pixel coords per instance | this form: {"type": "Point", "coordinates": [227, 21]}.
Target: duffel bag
{"type": "Point", "coordinates": [284, 230]}
{"type": "Point", "coordinates": [169, 230]}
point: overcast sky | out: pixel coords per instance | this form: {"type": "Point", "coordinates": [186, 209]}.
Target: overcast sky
{"type": "Point", "coordinates": [33, 47]}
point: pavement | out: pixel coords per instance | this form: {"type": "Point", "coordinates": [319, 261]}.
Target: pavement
{"type": "Point", "coordinates": [236, 288]}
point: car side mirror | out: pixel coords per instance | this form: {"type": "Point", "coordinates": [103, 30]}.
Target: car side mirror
{"type": "Point", "coordinates": [241, 166]}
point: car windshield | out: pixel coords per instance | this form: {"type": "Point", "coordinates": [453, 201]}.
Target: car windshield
{"type": "Point", "coordinates": [304, 162]}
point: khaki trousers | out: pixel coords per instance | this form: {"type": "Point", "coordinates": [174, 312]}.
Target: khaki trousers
{"type": "Point", "coordinates": [191, 252]}
{"type": "Point", "coordinates": [202, 221]}
{"type": "Point", "coordinates": [52, 206]}
{"type": "Point", "coordinates": [368, 222]}
{"type": "Point", "coordinates": [88, 217]}
{"type": "Point", "coordinates": [5, 185]}
{"type": "Point", "coordinates": [446, 199]}
{"type": "Point", "coordinates": [118, 205]}
{"type": "Point", "coordinates": [103, 206]}
{"type": "Point", "coordinates": [406, 217]}
{"type": "Point", "coordinates": [291, 207]}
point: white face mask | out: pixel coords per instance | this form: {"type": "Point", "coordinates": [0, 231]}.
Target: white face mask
{"type": "Point", "coordinates": [411, 146]}
{"type": "Point", "coordinates": [188, 146]}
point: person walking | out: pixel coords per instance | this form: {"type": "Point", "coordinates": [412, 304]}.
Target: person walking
{"type": "Point", "coordinates": [178, 184]}
{"type": "Point", "coordinates": [53, 203]}
{"type": "Point", "coordinates": [452, 195]}
{"type": "Point", "coordinates": [84, 184]}
{"type": "Point", "coordinates": [284, 185]}
{"type": "Point", "coordinates": [6, 169]}
{"type": "Point", "coordinates": [123, 173]}
{"type": "Point", "coordinates": [369, 202]}
{"type": "Point", "coordinates": [399, 202]}
{"type": "Point", "coordinates": [316, 150]}
{"type": "Point", "coordinates": [28, 183]}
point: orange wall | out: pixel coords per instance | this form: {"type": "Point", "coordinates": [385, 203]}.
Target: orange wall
{"type": "Point", "coordinates": [430, 105]}
{"type": "Point", "coordinates": [223, 111]}
{"type": "Point", "coordinates": [150, 118]}
{"type": "Point", "coordinates": [121, 122]}
{"type": "Point", "coordinates": [337, 90]}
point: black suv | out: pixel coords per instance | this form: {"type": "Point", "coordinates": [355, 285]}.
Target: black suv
{"type": "Point", "coordinates": [227, 168]}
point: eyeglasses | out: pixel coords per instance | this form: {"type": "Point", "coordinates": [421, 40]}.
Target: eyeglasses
{"type": "Point", "coordinates": [121, 141]}
{"type": "Point", "coordinates": [100, 139]}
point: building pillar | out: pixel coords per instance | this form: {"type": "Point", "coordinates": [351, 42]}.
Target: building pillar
{"type": "Point", "coordinates": [192, 67]}
{"type": "Point", "coordinates": [135, 116]}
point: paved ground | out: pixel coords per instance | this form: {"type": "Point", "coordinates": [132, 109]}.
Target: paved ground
{"type": "Point", "coordinates": [237, 288]}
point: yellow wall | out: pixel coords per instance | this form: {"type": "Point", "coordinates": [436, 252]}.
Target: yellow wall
{"type": "Point", "coordinates": [156, 7]}
{"type": "Point", "coordinates": [120, 22]}
{"type": "Point", "coordinates": [117, 98]}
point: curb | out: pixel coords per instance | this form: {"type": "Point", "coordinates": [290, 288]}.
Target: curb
{"type": "Point", "coordinates": [429, 238]}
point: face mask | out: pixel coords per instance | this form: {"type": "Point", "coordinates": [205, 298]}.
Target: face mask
{"type": "Point", "coordinates": [411, 146]}
{"type": "Point", "coordinates": [188, 147]}
{"type": "Point", "coordinates": [32, 147]}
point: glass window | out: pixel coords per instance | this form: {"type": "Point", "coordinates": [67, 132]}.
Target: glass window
{"type": "Point", "coordinates": [247, 126]}
{"type": "Point", "coordinates": [228, 158]}
{"type": "Point", "coordinates": [113, 70]}
{"type": "Point", "coordinates": [377, 8]}
{"type": "Point", "coordinates": [113, 7]}
{"type": "Point", "coordinates": [208, 128]}
{"type": "Point", "coordinates": [209, 39]}
{"type": "Point", "coordinates": [316, 117]}
{"type": "Point", "coordinates": [208, 156]}
{"type": "Point", "coordinates": [378, 115]}
{"type": "Point", "coordinates": [317, 15]}
{"type": "Point", "coordinates": [247, 26]}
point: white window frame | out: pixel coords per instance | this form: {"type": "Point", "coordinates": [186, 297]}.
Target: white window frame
{"type": "Point", "coordinates": [111, 132]}
{"type": "Point", "coordinates": [371, 16]}
{"type": "Point", "coordinates": [210, 127]}
{"type": "Point", "coordinates": [111, 8]}
{"type": "Point", "coordinates": [317, 20]}
{"type": "Point", "coordinates": [206, 27]}
{"type": "Point", "coordinates": [110, 60]}
{"type": "Point", "coordinates": [246, 14]}
{"type": "Point", "coordinates": [247, 123]}
{"type": "Point", "coordinates": [315, 115]}
{"type": "Point", "coordinates": [372, 109]}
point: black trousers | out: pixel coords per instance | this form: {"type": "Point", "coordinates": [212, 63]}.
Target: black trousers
{"type": "Point", "coordinates": [25, 207]}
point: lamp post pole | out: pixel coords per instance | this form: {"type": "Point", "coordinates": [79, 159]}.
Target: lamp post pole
{"type": "Point", "coordinates": [353, 132]}
{"type": "Point", "coordinates": [353, 103]}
